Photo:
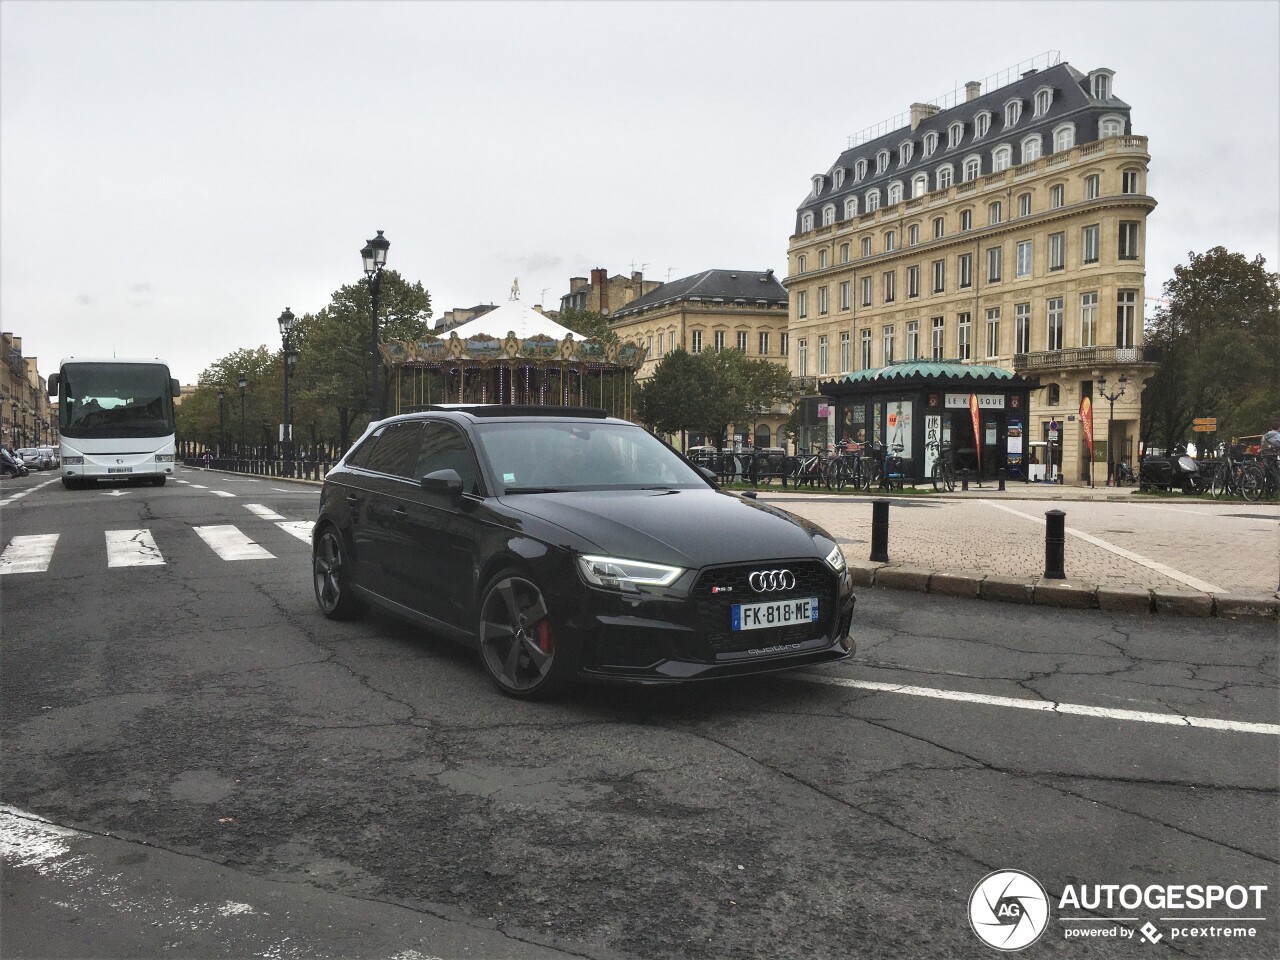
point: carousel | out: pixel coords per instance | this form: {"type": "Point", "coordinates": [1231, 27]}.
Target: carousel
{"type": "Point", "coordinates": [537, 362]}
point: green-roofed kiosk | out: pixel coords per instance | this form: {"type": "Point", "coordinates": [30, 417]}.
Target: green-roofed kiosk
{"type": "Point", "coordinates": [922, 403]}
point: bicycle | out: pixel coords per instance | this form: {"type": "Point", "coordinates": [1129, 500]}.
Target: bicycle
{"type": "Point", "coordinates": [1261, 478]}
{"type": "Point", "coordinates": [1232, 476]}
{"type": "Point", "coordinates": [944, 469]}
{"type": "Point", "coordinates": [807, 470]}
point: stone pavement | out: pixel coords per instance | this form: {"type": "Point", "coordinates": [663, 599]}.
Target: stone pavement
{"type": "Point", "coordinates": [1191, 557]}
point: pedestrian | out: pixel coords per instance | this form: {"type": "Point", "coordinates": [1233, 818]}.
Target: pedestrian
{"type": "Point", "coordinates": [208, 459]}
{"type": "Point", "coordinates": [1271, 440]}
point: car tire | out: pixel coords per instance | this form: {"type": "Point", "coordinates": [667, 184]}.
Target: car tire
{"type": "Point", "coordinates": [517, 643]}
{"type": "Point", "coordinates": [331, 577]}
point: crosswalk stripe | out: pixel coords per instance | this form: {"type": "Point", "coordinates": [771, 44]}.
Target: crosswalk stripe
{"type": "Point", "coordinates": [230, 544]}
{"type": "Point", "coordinates": [299, 528]}
{"type": "Point", "coordinates": [28, 554]}
{"type": "Point", "coordinates": [132, 548]}
{"type": "Point", "coordinates": [266, 513]}
{"type": "Point", "coordinates": [198, 486]}
{"type": "Point", "coordinates": [221, 493]}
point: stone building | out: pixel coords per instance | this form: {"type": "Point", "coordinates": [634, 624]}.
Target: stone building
{"type": "Point", "coordinates": [716, 310]}
{"type": "Point", "coordinates": [1003, 226]}
{"type": "Point", "coordinates": [604, 294]}
{"type": "Point", "coordinates": [26, 417]}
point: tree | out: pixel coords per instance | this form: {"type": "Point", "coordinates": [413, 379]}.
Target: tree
{"type": "Point", "coordinates": [198, 417]}
{"type": "Point", "coordinates": [1219, 340]}
{"type": "Point", "coordinates": [587, 323]}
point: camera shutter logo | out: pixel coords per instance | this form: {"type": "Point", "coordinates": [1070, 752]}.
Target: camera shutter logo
{"type": "Point", "coordinates": [1009, 910]}
{"type": "Point", "coordinates": [765, 581]}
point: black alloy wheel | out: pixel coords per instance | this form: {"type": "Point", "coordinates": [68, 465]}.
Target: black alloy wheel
{"type": "Point", "coordinates": [332, 577]}
{"type": "Point", "coordinates": [517, 643]}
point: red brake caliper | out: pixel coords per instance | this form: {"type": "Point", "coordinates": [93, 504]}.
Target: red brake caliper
{"type": "Point", "coordinates": [545, 643]}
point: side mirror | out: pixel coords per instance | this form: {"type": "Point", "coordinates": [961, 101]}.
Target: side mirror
{"type": "Point", "coordinates": [54, 380]}
{"type": "Point", "coordinates": [175, 388]}
{"type": "Point", "coordinates": [447, 482]}
{"type": "Point", "coordinates": [710, 475]}
{"type": "Point", "coordinates": [749, 494]}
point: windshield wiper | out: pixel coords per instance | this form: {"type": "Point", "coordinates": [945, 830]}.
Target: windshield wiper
{"type": "Point", "coordinates": [537, 489]}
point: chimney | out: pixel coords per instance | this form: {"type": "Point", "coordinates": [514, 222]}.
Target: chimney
{"type": "Point", "coordinates": [1032, 71]}
{"type": "Point", "coordinates": [576, 284]}
{"type": "Point", "coordinates": [921, 112]}
{"type": "Point", "coordinates": [972, 90]}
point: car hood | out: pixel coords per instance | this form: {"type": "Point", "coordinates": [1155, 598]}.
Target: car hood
{"type": "Point", "coordinates": [687, 528]}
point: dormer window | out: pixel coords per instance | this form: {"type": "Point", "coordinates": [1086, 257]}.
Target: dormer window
{"type": "Point", "coordinates": [1043, 100]}
{"type": "Point", "coordinates": [873, 200]}
{"type": "Point", "coordinates": [818, 181]}
{"type": "Point", "coordinates": [828, 214]}
{"type": "Point", "coordinates": [850, 208]}
{"type": "Point", "coordinates": [981, 124]}
{"type": "Point", "coordinates": [972, 168]}
{"type": "Point", "coordinates": [1012, 113]}
{"type": "Point", "coordinates": [1031, 148]}
{"type": "Point", "coordinates": [882, 161]}
{"type": "Point", "coordinates": [930, 143]}
{"type": "Point", "coordinates": [837, 178]}
{"type": "Point", "coordinates": [859, 170]}
{"type": "Point", "coordinates": [895, 192]}
{"type": "Point", "coordinates": [905, 150]}
{"type": "Point", "coordinates": [1100, 84]}
{"type": "Point", "coordinates": [806, 222]}
{"type": "Point", "coordinates": [1001, 158]}
{"type": "Point", "coordinates": [1110, 126]}
{"type": "Point", "coordinates": [1064, 137]}
{"type": "Point", "coordinates": [919, 185]}
{"type": "Point", "coordinates": [955, 133]}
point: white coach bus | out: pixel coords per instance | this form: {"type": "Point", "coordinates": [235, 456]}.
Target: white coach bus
{"type": "Point", "coordinates": [115, 419]}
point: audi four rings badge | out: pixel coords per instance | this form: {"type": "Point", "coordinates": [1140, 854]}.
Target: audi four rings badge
{"type": "Point", "coordinates": [764, 581]}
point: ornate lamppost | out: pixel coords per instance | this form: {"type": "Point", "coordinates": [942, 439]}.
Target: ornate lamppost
{"type": "Point", "coordinates": [243, 383]}
{"type": "Point", "coordinates": [286, 325]}
{"type": "Point", "coordinates": [222, 425]}
{"type": "Point", "coordinates": [1111, 399]}
{"type": "Point", "coordinates": [374, 255]}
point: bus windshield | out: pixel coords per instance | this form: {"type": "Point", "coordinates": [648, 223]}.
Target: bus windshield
{"type": "Point", "coordinates": [104, 400]}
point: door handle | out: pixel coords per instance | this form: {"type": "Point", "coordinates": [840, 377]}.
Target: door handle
{"type": "Point", "coordinates": [399, 513]}
{"type": "Point", "coordinates": [352, 499]}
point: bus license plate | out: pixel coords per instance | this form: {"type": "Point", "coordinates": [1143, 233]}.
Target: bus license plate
{"type": "Point", "coordinates": [780, 613]}
{"type": "Point", "coordinates": [119, 469]}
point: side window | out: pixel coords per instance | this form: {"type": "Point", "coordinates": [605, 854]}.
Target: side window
{"type": "Point", "coordinates": [444, 448]}
{"type": "Point", "coordinates": [361, 454]}
{"type": "Point", "coordinates": [396, 450]}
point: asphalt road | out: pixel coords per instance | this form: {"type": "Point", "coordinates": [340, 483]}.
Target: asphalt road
{"type": "Point", "coordinates": [223, 772]}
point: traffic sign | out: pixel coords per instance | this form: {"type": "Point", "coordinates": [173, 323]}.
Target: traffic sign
{"type": "Point", "coordinates": [1204, 428]}
{"type": "Point", "coordinates": [1205, 421]}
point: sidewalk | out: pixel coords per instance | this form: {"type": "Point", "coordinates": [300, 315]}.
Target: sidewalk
{"type": "Point", "coordinates": [1185, 556]}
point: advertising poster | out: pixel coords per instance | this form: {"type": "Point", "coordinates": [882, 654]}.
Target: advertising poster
{"type": "Point", "coordinates": [900, 427]}
{"type": "Point", "coordinates": [1013, 442]}
{"type": "Point", "coordinates": [932, 438]}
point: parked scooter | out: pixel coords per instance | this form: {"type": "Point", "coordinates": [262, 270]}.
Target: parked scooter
{"type": "Point", "coordinates": [9, 464]}
{"type": "Point", "coordinates": [1165, 473]}
{"type": "Point", "coordinates": [1124, 474]}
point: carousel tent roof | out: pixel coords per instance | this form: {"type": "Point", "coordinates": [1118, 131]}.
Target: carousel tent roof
{"type": "Point", "coordinates": [512, 316]}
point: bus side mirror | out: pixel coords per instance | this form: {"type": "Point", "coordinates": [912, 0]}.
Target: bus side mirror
{"type": "Point", "coordinates": [175, 388]}
{"type": "Point", "coordinates": [54, 380]}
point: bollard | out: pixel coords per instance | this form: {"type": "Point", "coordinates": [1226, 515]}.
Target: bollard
{"type": "Point", "coordinates": [880, 531]}
{"type": "Point", "coordinates": [1055, 544]}
{"type": "Point", "coordinates": [964, 481]}
{"type": "Point", "coordinates": [1002, 474]}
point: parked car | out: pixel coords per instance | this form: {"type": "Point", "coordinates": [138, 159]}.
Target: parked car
{"type": "Point", "coordinates": [31, 458]}
{"type": "Point", "coordinates": [567, 545]}
{"type": "Point", "coordinates": [49, 455]}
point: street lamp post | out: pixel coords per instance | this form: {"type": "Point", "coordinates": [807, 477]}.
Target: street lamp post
{"type": "Point", "coordinates": [1111, 399]}
{"type": "Point", "coordinates": [243, 383]}
{"type": "Point", "coordinates": [222, 424]}
{"type": "Point", "coordinates": [374, 255]}
{"type": "Point", "coordinates": [286, 325]}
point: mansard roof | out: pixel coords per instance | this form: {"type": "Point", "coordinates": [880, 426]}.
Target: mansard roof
{"type": "Point", "coordinates": [715, 286]}
{"type": "Point", "coordinates": [1072, 102]}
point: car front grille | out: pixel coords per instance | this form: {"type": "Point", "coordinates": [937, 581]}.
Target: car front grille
{"type": "Point", "coordinates": [731, 586]}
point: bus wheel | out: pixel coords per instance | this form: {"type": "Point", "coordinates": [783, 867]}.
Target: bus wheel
{"type": "Point", "coordinates": [71, 483]}
{"type": "Point", "coordinates": [157, 481]}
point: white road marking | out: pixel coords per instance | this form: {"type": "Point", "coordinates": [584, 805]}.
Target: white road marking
{"type": "Point", "coordinates": [132, 548]}
{"type": "Point", "coordinates": [1162, 568]}
{"type": "Point", "coordinates": [28, 554]}
{"type": "Point", "coordinates": [113, 493]}
{"type": "Point", "coordinates": [283, 490]}
{"type": "Point", "coordinates": [22, 493]}
{"type": "Point", "coordinates": [266, 513]}
{"type": "Point", "coordinates": [198, 486]}
{"type": "Point", "coordinates": [299, 528]}
{"type": "Point", "coordinates": [1048, 706]}
{"type": "Point", "coordinates": [230, 544]}
{"type": "Point", "coordinates": [221, 493]}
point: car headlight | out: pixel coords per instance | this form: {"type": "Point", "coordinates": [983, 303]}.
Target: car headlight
{"type": "Point", "coordinates": [615, 574]}
{"type": "Point", "coordinates": [835, 560]}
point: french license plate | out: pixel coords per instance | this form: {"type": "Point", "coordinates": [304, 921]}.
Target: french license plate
{"type": "Point", "coordinates": [119, 469]}
{"type": "Point", "coordinates": [779, 613]}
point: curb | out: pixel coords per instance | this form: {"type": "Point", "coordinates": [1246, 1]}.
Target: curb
{"type": "Point", "coordinates": [1068, 594]}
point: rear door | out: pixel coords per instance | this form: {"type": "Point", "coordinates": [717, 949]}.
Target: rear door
{"type": "Point", "coordinates": [383, 493]}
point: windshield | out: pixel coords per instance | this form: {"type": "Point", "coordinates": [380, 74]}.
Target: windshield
{"type": "Point", "coordinates": [102, 400]}
{"type": "Point", "coordinates": [539, 456]}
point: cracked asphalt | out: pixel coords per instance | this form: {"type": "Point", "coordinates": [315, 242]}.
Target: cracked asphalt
{"type": "Point", "coordinates": [362, 790]}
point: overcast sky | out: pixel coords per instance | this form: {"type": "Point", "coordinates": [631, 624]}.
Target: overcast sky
{"type": "Point", "coordinates": [173, 175]}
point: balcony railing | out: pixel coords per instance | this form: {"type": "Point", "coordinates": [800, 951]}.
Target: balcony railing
{"type": "Point", "coordinates": [1085, 357]}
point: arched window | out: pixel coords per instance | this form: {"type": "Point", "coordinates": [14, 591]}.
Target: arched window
{"type": "Point", "coordinates": [972, 168]}
{"type": "Point", "coordinates": [930, 143]}
{"type": "Point", "coordinates": [919, 185]}
{"type": "Point", "coordinates": [1064, 137]}
{"type": "Point", "coordinates": [822, 258]}
{"type": "Point", "coordinates": [1100, 82]}
{"type": "Point", "coordinates": [882, 161]}
{"type": "Point", "coordinates": [806, 222]}
{"type": "Point", "coordinates": [1055, 395]}
{"type": "Point", "coordinates": [1012, 113]}
{"type": "Point", "coordinates": [945, 175]}
{"type": "Point", "coordinates": [955, 133]}
{"type": "Point", "coordinates": [828, 214]}
{"type": "Point", "coordinates": [837, 178]}
{"type": "Point", "coordinates": [1031, 148]}
{"type": "Point", "coordinates": [873, 200]}
{"type": "Point", "coordinates": [981, 124]}
{"type": "Point", "coordinates": [905, 150]}
{"type": "Point", "coordinates": [1043, 100]}
{"type": "Point", "coordinates": [818, 180]}
{"type": "Point", "coordinates": [1001, 158]}
{"type": "Point", "coordinates": [850, 208]}
{"type": "Point", "coordinates": [1110, 126]}
{"type": "Point", "coordinates": [895, 192]}
{"type": "Point", "coordinates": [859, 170]}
